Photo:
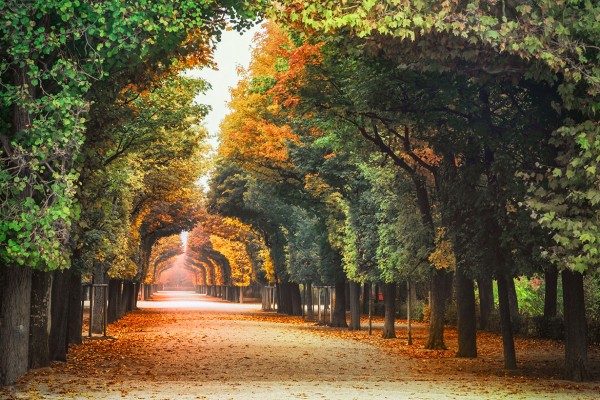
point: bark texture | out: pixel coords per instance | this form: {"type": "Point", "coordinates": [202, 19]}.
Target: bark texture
{"type": "Point", "coordinates": [281, 298]}
{"type": "Point", "coordinates": [437, 306]}
{"type": "Point", "coordinates": [296, 299]}
{"type": "Point", "coordinates": [285, 298]}
{"type": "Point", "coordinates": [508, 343]}
{"type": "Point", "coordinates": [123, 302]}
{"type": "Point", "coordinates": [14, 330]}
{"type": "Point", "coordinates": [59, 315]}
{"type": "Point", "coordinates": [466, 311]}
{"type": "Point", "coordinates": [75, 295]}
{"type": "Point", "coordinates": [130, 296]}
{"type": "Point", "coordinates": [389, 299]}
{"type": "Point", "coordinates": [338, 318]}
{"type": "Point", "coordinates": [98, 322]}
{"type": "Point", "coordinates": [354, 307]}
{"type": "Point", "coordinates": [114, 294]}
{"type": "Point", "coordinates": [136, 292]}
{"type": "Point", "coordinates": [41, 287]}
{"type": "Point", "coordinates": [576, 359]}
{"type": "Point", "coordinates": [486, 301]}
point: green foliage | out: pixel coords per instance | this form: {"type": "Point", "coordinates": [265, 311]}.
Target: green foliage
{"type": "Point", "coordinates": [53, 53]}
{"type": "Point", "coordinates": [565, 199]}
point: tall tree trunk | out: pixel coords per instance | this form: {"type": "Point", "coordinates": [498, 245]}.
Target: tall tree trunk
{"type": "Point", "coordinates": [98, 323]}
{"type": "Point", "coordinates": [338, 318]}
{"type": "Point", "coordinates": [347, 298]}
{"type": "Point", "coordinates": [39, 352]}
{"type": "Point", "coordinates": [466, 311]}
{"type": "Point", "coordinates": [16, 291]}
{"type": "Point", "coordinates": [75, 292]}
{"type": "Point", "coordinates": [409, 302]}
{"type": "Point", "coordinates": [114, 293]}
{"type": "Point", "coordinates": [123, 302]}
{"type": "Point", "coordinates": [551, 292]}
{"type": "Point", "coordinates": [296, 299]}
{"type": "Point", "coordinates": [136, 293]}
{"type": "Point", "coordinates": [389, 302]}
{"type": "Point", "coordinates": [437, 306]}
{"type": "Point", "coordinates": [310, 312]}
{"type": "Point", "coordinates": [354, 306]}
{"type": "Point", "coordinates": [366, 297]}
{"type": "Point", "coordinates": [284, 298]}
{"type": "Point", "coordinates": [486, 301]}
{"type": "Point", "coordinates": [576, 359]}
{"type": "Point", "coordinates": [513, 303]}
{"type": "Point", "coordinates": [289, 298]}
{"type": "Point", "coordinates": [59, 315]}
{"type": "Point", "coordinates": [278, 297]}
{"type": "Point", "coordinates": [508, 343]}
{"type": "Point", "coordinates": [14, 329]}
{"type": "Point", "coordinates": [377, 288]}
{"type": "Point", "coordinates": [131, 296]}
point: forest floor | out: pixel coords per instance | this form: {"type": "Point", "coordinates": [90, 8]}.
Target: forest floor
{"type": "Point", "coordinates": [189, 346]}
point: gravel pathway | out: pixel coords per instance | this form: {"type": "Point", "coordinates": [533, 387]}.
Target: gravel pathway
{"type": "Point", "coordinates": [205, 348]}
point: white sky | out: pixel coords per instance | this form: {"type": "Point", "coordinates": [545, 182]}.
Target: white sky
{"type": "Point", "coordinates": [233, 50]}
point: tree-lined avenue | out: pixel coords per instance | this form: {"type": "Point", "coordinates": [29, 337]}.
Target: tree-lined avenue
{"type": "Point", "coordinates": [184, 345]}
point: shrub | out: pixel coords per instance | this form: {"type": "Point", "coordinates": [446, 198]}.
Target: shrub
{"type": "Point", "coordinates": [416, 313]}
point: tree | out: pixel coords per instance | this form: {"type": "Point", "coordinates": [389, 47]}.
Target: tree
{"type": "Point", "coordinates": [51, 54]}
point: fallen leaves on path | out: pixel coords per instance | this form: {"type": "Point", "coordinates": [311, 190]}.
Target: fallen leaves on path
{"type": "Point", "coordinates": [143, 347]}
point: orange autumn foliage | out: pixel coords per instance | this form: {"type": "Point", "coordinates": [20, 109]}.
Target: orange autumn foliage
{"type": "Point", "coordinates": [255, 133]}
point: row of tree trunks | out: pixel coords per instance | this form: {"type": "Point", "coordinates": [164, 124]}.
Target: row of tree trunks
{"type": "Point", "coordinates": [233, 294]}
{"type": "Point", "coordinates": [42, 315]}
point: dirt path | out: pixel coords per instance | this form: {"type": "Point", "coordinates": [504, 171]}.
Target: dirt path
{"type": "Point", "coordinates": [188, 346]}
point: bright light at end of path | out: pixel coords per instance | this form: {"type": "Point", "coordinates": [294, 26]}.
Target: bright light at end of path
{"type": "Point", "coordinates": [194, 301]}
{"type": "Point", "coordinates": [184, 236]}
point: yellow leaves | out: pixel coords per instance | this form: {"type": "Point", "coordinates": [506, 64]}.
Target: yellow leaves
{"type": "Point", "coordinates": [443, 256]}
{"type": "Point", "coordinates": [268, 265]}
{"type": "Point", "coordinates": [239, 260]}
